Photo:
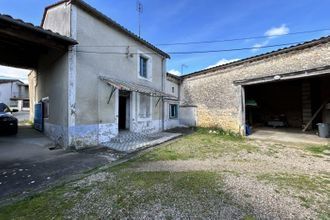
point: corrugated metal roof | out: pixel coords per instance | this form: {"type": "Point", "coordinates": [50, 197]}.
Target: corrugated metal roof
{"type": "Point", "coordinates": [134, 87]}
{"type": "Point", "coordinates": [307, 44]}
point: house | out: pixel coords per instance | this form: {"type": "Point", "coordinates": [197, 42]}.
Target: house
{"type": "Point", "coordinates": [171, 104]}
{"type": "Point", "coordinates": [284, 88]}
{"type": "Point", "coordinates": [111, 80]}
{"type": "Point", "coordinates": [14, 93]}
{"type": "Point", "coordinates": [93, 79]}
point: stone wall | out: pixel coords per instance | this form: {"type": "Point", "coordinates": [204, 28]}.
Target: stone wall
{"type": "Point", "coordinates": [219, 101]}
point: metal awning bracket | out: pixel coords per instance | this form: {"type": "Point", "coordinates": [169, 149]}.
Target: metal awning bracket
{"type": "Point", "coordinates": [158, 101]}
{"type": "Point", "coordinates": [111, 94]}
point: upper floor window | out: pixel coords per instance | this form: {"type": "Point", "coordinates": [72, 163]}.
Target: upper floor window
{"type": "Point", "coordinates": [143, 67]}
{"type": "Point", "coordinates": [172, 89]}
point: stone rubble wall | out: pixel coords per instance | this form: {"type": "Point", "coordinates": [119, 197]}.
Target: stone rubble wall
{"type": "Point", "coordinates": [219, 101]}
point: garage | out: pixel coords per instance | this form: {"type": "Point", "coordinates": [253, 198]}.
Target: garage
{"type": "Point", "coordinates": [293, 103]}
{"type": "Point", "coordinates": [26, 162]}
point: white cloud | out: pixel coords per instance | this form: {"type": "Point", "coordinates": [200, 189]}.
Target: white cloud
{"type": "Point", "coordinates": [175, 72]}
{"type": "Point", "coordinates": [15, 73]}
{"type": "Point", "coordinates": [270, 34]}
{"type": "Point", "coordinates": [277, 31]}
{"type": "Point", "coordinates": [222, 62]}
{"type": "Point", "coordinates": [257, 46]}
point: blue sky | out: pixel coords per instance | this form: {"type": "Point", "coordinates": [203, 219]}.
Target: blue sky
{"type": "Point", "coordinates": [199, 20]}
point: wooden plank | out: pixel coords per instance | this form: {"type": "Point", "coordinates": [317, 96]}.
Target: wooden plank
{"type": "Point", "coordinates": [314, 116]}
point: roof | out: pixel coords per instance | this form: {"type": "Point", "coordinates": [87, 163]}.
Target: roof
{"type": "Point", "coordinates": [302, 46]}
{"type": "Point", "coordinates": [83, 5]}
{"type": "Point", "coordinates": [134, 87]}
{"type": "Point", "coordinates": [9, 81]}
{"type": "Point", "coordinates": [173, 76]}
{"type": "Point", "coordinates": [6, 79]}
{"type": "Point", "coordinates": [285, 76]}
{"type": "Point", "coordinates": [30, 26]}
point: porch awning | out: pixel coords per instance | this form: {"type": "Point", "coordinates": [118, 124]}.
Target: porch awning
{"type": "Point", "coordinates": [135, 87]}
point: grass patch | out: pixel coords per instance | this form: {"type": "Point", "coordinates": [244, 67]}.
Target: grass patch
{"type": "Point", "coordinates": [307, 189]}
{"type": "Point", "coordinates": [224, 134]}
{"type": "Point", "coordinates": [319, 149]}
{"type": "Point", "coordinates": [249, 217]}
{"type": "Point", "coordinates": [300, 182]}
{"type": "Point", "coordinates": [121, 196]}
{"type": "Point", "coordinates": [46, 205]}
{"type": "Point", "coordinates": [203, 144]}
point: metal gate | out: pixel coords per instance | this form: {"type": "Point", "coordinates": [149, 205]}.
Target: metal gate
{"type": "Point", "coordinates": [38, 117]}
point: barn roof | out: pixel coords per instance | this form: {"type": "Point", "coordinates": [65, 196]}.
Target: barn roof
{"type": "Point", "coordinates": [297, 47]}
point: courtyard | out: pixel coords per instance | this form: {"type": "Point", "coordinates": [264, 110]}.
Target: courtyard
{"type": "Point", "coordinates": [207, 174]}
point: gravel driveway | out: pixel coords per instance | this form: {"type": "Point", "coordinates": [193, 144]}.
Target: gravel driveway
{"type": "Point", "coordinates": [200, 176]}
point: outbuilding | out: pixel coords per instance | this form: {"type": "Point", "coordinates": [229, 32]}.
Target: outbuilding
{"type": "Point", "coordinates": [287, 88]}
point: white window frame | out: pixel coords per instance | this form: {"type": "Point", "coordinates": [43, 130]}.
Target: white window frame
{"type": "Point", "coordinates": [149, 65]}
{"type": "Point", "coordinates": [138, 108]}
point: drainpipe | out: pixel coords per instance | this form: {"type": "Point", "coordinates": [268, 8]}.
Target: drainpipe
{"type": "Point", "coordinates": [163, 89]}
{"type": "Point", "coordinates": [11, 91]}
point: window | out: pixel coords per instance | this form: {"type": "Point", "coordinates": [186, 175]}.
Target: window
{"type": "Point", "coordinates": [45, 107]}
{"type": "Point", "coordinates": [144, 106]}
{"type": "Point", "coordinates": [26, 104]}
{"type": "Point", "coordinates": [143, 67]}
{"type": "Point", "coordinates": [172, 89]}
{"type": "Point", "coordinates": [173, 111]}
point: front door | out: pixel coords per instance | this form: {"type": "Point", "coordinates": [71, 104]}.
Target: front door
{"type": "Point", "coordinates": [124, 110]}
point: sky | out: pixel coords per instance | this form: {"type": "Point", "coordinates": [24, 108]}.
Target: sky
{"type": "Point", "coordinates": [180, 21]}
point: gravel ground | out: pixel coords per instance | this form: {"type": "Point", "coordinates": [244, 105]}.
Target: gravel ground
{"type": "Point", "coordinates": [168, 202]}
{"type": "Point", "coordinates": [285, 159]}
{"type": "Point", "coordinates": [251, 166]}
{"type": "Point", "coordinates": [274, 181]}
{"type": "Point", "coordinates": [265, 200]}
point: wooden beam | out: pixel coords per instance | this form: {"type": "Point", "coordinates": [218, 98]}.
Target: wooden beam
{"type": "Point", "coordinates": [314, 116]}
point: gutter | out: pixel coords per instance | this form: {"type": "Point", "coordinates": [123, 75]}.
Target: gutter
{"type": "Point", "coordinates": [285, 76]}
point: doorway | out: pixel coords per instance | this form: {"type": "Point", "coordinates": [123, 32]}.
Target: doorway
{"type": "Point", "coordinates": [124, 110]}
{"type": "Point", "coordinates": [290, 106]}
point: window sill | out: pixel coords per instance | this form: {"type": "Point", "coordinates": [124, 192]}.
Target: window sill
{"type": "Point", "coordinates": [146, 79]}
